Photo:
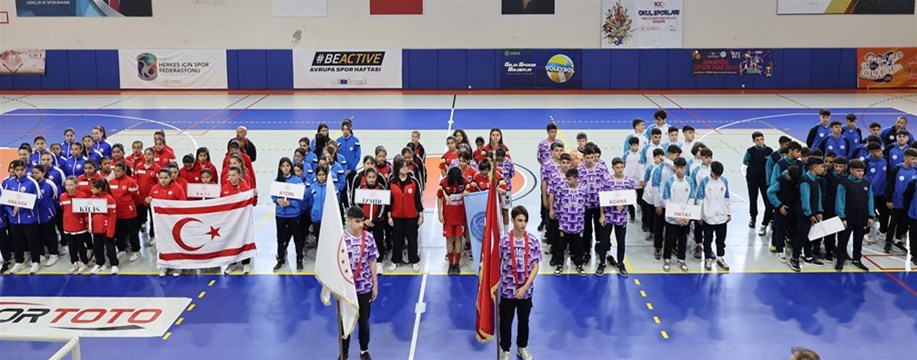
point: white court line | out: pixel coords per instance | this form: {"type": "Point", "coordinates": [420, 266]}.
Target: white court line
{"type": "Point", "coordinates": [421, 306]}
{"type": "Point", "coordinates": [194, 142]}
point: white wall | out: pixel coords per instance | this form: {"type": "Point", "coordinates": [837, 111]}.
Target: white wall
{"type": "Point", "coordinates": [241, 24]}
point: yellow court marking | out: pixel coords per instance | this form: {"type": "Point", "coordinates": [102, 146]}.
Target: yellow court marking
{"type": "Point", "coordinates": [636, 281]}
{"type": "Point", "coordinates": [642, 293]}
{"type": "Point", "coordinates": [212, 282]}
{"type": "Point", "coordinates": [180, 320]}
{"type": "Point", "coordinates": [201, 295]}
{"type": "Point", "coordinates": [656, 319]}
{"type": "Point", "coordinates": [665, 335]}
{"type": "Point", "coordinates": [190, 307]}
{"type": "Point", "coordinates": [167, 336]}
{"type": "Point", "coordinates": [649, 306]}
{"type": "Point", "coordinates": [630, 269]}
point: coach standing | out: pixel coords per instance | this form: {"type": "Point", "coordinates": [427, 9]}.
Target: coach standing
{"type": "Point", "coordinates": [248, 147]}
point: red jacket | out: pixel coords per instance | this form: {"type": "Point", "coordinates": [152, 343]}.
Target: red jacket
{"type": "Point", "coordinates": [105, 223]}
{"type": "Point", "coordinates": [164, 157]}
{"type": "Point", "coordinates": [213, 169]}
{"type": "Point", "coordinates": [246, 162]}
{"type": "Point", "coordinates": [73, 223]}
{"type": "Point", "coordinates": [181, 182]}
{"type": "Point", "coordinates": [84, 184]}
{"type": "Point", "coordinates": [406, 203]}
{"type": "Point", "coordinates": [146, 178]}
{"type": "Point", "coordinates": [192, 176]}
{"type": "Point", "coordinates": [171, 192]}
{"type": "Point", "coordinates": [134, 160]}
{"type": "Point", "coordinates": [229, 190]}
{"type": "Point", "coordinates": [126, 192]}
{"type": "Point", "coordinates": [247, 176]}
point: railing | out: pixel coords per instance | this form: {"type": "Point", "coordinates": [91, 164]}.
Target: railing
{"type": "Point", "coordinates": [71, 346]}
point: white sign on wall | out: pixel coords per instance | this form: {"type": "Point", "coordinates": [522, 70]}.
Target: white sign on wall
{"type": "Point", "coordinates": [172, 69]}
{"type": "Point", "coordinates": [642, 23]}
{"type": "Point", "coordinates": [347, 69]}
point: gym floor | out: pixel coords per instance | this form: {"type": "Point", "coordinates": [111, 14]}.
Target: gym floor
{"type": "Point", "coordinates": [758, 310]}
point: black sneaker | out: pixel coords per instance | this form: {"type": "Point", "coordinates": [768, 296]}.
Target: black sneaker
{"type": "Point", "coordinates": [813, 261]}
{"type": "Point", "coordinates": [558, 269]}
{"type": "Point", "coordinates": [900, 244]}
{"type": "Point", "coordinates": [299, 265]}
{"type": "Point", "coordinates": [751, 223]}
{"type": "Point", "coordinates": [4, 267]}
{"type": "Point", "coordinates": [622, 270]}
{"type": "Point", "coordinates": [794, 265]}
{"type": "Point", "coordinates": [365, 356]}
{"type": "Point", "coordinates": [829, 256]}
{"type": "Point", "coordinates": [587, 258]}
{"type": "Point", "coordinates": [279, 265]}
{"type": "Point", "coordinates": [888, 247]}
{"type": "Point", "coordinates": [860, 265]}
{"type": "Point", "coordinates": [698, 251]}
{"type": "Point", "coordinates": [600, 270]}
{"type": "Point", "coordinates": [612, 262]}
{"type": "Point", "coordinates": [580, 270]}
{"type": "Point", "coordinates": [541, 227]}
{"type": "Point", "coordinates": [839, 266]}
{"type": "Point", "coordinates": [657, 253]}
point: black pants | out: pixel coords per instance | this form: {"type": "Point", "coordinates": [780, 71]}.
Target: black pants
{"type": "Point", "coordinates": [48, 233]}
{"type": "Point", "coordinates": [378, 231]}
{"type": "Point", "coordinates": [858, 231]}
{"type": "Point", "coordinates": [286, 228]}
{"type": "Point", "coordinates": [676, 238]}
{"type": "Point", "coordinates": [317, 230]}
{"type": "Point", "coordinates": [897, 225]}
{"type": "Point", "coordinates": [26, 235]}
{"type": "Point", "coordinates": [604, 246]}
{"type": "Point", "coordinates": [127, 232]}
{"type": "Point", "coordinates": [784, 228]}
{"type": "Point", "coordinates": [882, 212]}
{"type": "Point", "coordinates": [77, 245]}
{"type": "Point", "coordinates": [753, 190]}
{"type": "Point", "coordinates": [591, 221]}
{"type": "Point", "coordinates": [509, 308]}
{"type": "Point", "coordinates": [143, 212]}
{"type": "Point", "coordinates": [577, 247]}
{"type": "Point", "coordinates": [544, 214]}
{"type": "Point", "coordinates": [59, 224]}
{"type": "Point", "coordinates": [912, 238]}
{"type": "Point", "coordinates": [709, 231]}
{"type": "Point", "coordinates": [698, 232]}
{"type": "Point", "coordinates": [405, 230]}
{"type": "Point", "coordinates": [102, 244]}
{"type": "Point", "coordinates": [659, 229]}
{"type": "Point", "coordinates": [801, 243]}
{"type": "Point", "coordinates": [363, 322]}
{"type": "Point", "coordinates": [6, 244]}
{"type": "Point", "coordinates": [552, 231]}
{"type": "Point", "coordinates": [644, 212]}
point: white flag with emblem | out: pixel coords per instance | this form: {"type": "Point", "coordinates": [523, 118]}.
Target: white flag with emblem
{"type": "Point", "coordinates": [204, 233]}
{"type": "Point", "coordinates": [332, 263]}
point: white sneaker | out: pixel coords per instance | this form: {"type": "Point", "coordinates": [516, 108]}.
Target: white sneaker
{"type": "Point", "coordinates": [121, 254]}
{"type": "Point", "coordinates": [114, 270]}
{"type": "Point", "coordinates": [162, 272]}
{"type": "Point", "coordinates": [392, 267]}
{"type": "Point", "coordinates": [505, 356]}
{"type": "Point", "coordinates": [781, 257]}
{"type": "Point", "coordinates": [74, 268]}
{"type": "Point", "coordinates": [95, 270]}
{"type": "Point", "coordinates": [230, 268]}
{"type": "Point", "coordinates": [176, 272]}
{"type": "Point", "coordinates": [524, 354]}
{"type": "Point", "coordinates": [82, 269]}
{"type": "Point", "coordinates": [379, 268]}
{"type": "Point", "coordinates": [17, 268]}
{"type": "Point", "coordinates": [64, 250]}
{"type": "Point", "coordinates": [143, 229]}
{"type": "Point", "coordinates": [246, 269]}
{"type": "Point", "coordinates": [52, 260]}
{"type": "Point", "coordinates": [134, 257]}
{"type": "Point", "coordinates": [106, 267]}
{"type": "Point", "coordinates": [762, 230]}
{"type": "Point", "coordinates": [415, 267]}
{"type": "Point", "coordinates": [35, 267]}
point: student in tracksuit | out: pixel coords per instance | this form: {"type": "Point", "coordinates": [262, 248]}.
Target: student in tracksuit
{"type": "Point", "coordinates": [661, 173]}
{"type": "Point", "coordinates": [6, 243]}
{"type": "Point", "coordinates": [836, 142]}
{"type": "Point", "coordinates": [23, 222]}
{"type": "Point", "coordinates": [349, 146]}
{"type": "Point", "coordinates": [76, 227]}
{"type": "Point", "coordinates": [649, 195]}
{"type": "Point", "coordinates": [810, 206]}
{"type": "Point", "coordinates": [568, 206]}
{"type": "Point", "coordinates": [895, 152]}
{"type": "Point", "coordinates": [756, 180]}
{"type": "Point", "coordinates": [782, 194]}
{"type": "Point", "coordinates": [854, 205]}
{"type": "Point", "coordinates": [833, 178]}
{"type": "Point", "coordinates": [853, 134]}
{"type": "Point", "coordinates": [288, 218]}
{"type": "Point", "coordinates": [713, 196]}
{"type": "Point", "coordinates": [592, 175]}
{"type": "Point", "coordinates": [126, 192]}
{"type": "Point", "coordinates": [647, 150]}
{"type": "Point", "coordinates": [910, 203]}
{"type": "Point", "coordinates": [820, 131]}
{"type": "Point", "coordinates": [700, 171]}
{"type": "Point", "coordinates": [634, 170]}
{"type": "Point", "coordinates": [46, 206]}
{"type": "Point", "coordinates": [315, 199]}
{"type": "Point", "coordinates": [898, 178]}
{"type": "Point", "coordinates": [406, 214]}
{"type": "Point", "coordinates": [678, 189]}
{"type": "Point", "coordinates": [614, 220]}
{"type": "Point", "coordinates": [876, 173]}
{"type": "Point", "coordinates": [103, 229]}
{"type": "Point", "coordinates": [774, 157]}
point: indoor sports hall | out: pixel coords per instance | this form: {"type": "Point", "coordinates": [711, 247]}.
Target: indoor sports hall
{"type": "Point", "coordinates": [385, 73]}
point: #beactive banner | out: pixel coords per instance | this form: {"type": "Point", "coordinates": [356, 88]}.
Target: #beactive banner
{"type": "Point", "coordinates": [540, 69]}
{"type": "Point", "coordinates": [84, 8]}
{"type": "Point", "coordinates": [172, 69]}
{"type": "Point", "coordinates": [22, 62]}
{"type": "Point", "coordinates": [794, 7]}
{"type": "Point", "coordinates": [347, 69]}
{"type": "Point", "coordinates": [89, 316]}
{"type": "Point", "coordinates": [744, 62]}
{"type": "Point", "coordinates": [887, 67]}
{"type": "Point", "coordinates": [642, 23]}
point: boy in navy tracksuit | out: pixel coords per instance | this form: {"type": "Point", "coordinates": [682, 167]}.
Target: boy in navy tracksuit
{"type": "Point", "coordinates": [836, 143]}
{"type": "Point", "coordinates": [894, 153]}
{"type": "Point", "coordinates": [775, 156]}
{"type": "Point", "coordinates": [755, 177]}
{"type": "Point", "coordinates": [819, 132]}
{"type": "Point", "coordinates": [810, 212]}
{"type": "Point", "coordinates": [832, 179]}
{"type": "Point", "coordinates": [876, 173]}
{"type": "Point", "coordinates": [782, 194]}
{"type": "Point", "coordinates": [910, 203]}
{"type": "Point", "coordinates": [898, 178]}
{"type": "Point", "coordinates": [853, 134]}
{"type": "Point", "coordinates": [854, 205]}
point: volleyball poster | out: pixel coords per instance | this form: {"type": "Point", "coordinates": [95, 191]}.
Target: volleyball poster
{"type": "Point", "coordinates": [642, 24]}
{"type": "Point", "coordinates": [887, 68]}
{"type": "Point", "coordinates": [861, 7]}
{"type": "Point", "coordinates": [22, 62]}
{"type": "Point", "coordinates": [85, 8]}
{"type": "Point", "coordinates": [541, 69]}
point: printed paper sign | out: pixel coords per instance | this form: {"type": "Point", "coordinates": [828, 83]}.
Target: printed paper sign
{"type": "Point", "coordinates": [617, 198]}
{"type": "Point", "coordinates": [683, 211]}
{"type": "Point", "coordinates": [825, 228]}
{"type": "Point", "coordinates": [288, 190]}
{"type": "Point", "coordinates": [90, 206]}
{"type": "Point", "coordinates": [373, 197]}
{"type": "Point", "coordinates": [204, 191]}
{"type": "Point", "coordinates": [20, 199]}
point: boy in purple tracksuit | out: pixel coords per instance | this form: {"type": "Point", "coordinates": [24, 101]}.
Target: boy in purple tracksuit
{"type": "Point", "coordinates": [568, 206]}
{"type": "Point", "coordinates": [591, 177]}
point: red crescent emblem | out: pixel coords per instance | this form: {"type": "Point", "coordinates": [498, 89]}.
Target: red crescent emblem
{"type": "Point", "coordinates": [176, 234]}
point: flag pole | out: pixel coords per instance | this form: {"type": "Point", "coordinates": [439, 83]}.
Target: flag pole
{"type": "Point", "coordinates": [340, 330]}
{"type": "Point", "coordinates": [496, 309]}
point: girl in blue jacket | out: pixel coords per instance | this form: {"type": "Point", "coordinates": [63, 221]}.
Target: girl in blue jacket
{"type": "Point", "coordinates": [23, 222]}
{"type": "Point", "coordinates": [315, 198]}
{"type": "Point", "coordinates": [46, 206]}
{"type": "Point", "coordinates": [289, 222]}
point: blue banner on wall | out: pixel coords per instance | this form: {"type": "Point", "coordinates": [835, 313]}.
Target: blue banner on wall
{"type": "Point", "coordinates": [745, 62]}
{"type": "Point", "coordinates": [541, 69]}
{"type": "Point", "coordinates": [84, 8]}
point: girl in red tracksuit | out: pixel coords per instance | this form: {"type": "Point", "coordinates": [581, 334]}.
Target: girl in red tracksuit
{"type": "Point", "coordinates": [375, 223]}
{"type": "Point", "coordinates": [126, 192]}
{"type": "Point", "coordinates": [235, 185]}
{"type": "Point", "coordinates": [76, 227]}
{"type": "Point", "coordinates": [162, 154]}
{"type": "Point", "coordinates": [191, 170]}
{"type": "Point", "coordinates": [406, 214]}
{"type": "Point", "coordinates": [165, 190]}
{"type": "Point", "coordinates": [90, 174]}
{"type": "Point", "coordinates": [137, 155]}
{"type": "Point", "coordinates": [203, 158]}
{"type": "Point", "coordinates": [103, 229]}
{"type": "Point", "coordinates": [146, 175]}
{"type": "Point", "coordinates": [247, 176]}
{"type": "Point", "coordinates": [451, 203]}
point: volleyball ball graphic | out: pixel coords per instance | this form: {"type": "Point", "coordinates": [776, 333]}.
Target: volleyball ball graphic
{"type": "Point", "coordinates": [559, 68]}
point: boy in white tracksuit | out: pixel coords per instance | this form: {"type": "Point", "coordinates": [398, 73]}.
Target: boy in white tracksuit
{"type": "Point", "coordinates": [713, 197]}
{"type": "Point", "coordinates": [649, 195]}
{"type": "Point", "coordinates": [661, 173]}
{"type": "Point", "coordinates": [634, 170]}
{"type": "Point", "coordinates": [678, 189]}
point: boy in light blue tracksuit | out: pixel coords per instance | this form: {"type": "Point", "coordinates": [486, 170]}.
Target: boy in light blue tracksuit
{"type": "Point", "coordinates": [649, 195]}
{"type": "Point", "coordinates": [713, 197]}
{"type": "Point", "coordinates": [23, 222]}
{"type": "Point", "coordinates": [349, 146]}
{"type": "Point", "coordinates": [662, 172]}
{"type": "Point", "coordinates": [289, 222]}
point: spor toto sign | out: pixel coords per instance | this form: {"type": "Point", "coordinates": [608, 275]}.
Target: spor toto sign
{"type": "Point", "coordinates": [89, 316]}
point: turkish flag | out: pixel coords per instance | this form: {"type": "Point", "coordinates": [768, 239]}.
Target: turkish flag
{"type": "Point", "coordinates": [396, 7]}
{"type": "Point", "coordinates": [204, 233]}
{"type": "Point", "coordinates": [489, 278]}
